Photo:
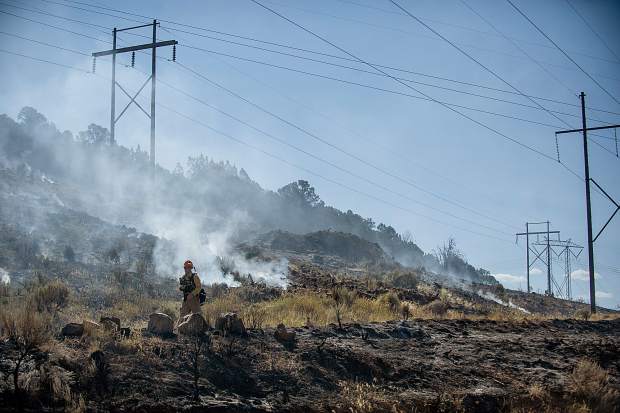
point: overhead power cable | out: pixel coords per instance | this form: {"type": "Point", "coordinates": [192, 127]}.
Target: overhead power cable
{"type": "Point", "coordinates": [351, 132]}
{"type": "Point", "coordinates": [328, 143]}
{"type": "Point", "coordinates": [516, 45]}
{"type": "Point", "coordinates": [617, 58]}
{"type": "Point", "coordinates": [55, 27]}
{"type": "Point", "coordinates": [318, 61]}
{"type": "Point", "coordinates": [340, 184]}
{"type": "Point", "coordinates": [44, 61]}
{"type": "Point", "coordinates": [563, 52]}
{"type": "Point", "coordinates": [476, 30]}
{"type": "Point", "coordinates": [537, 106]}
{"type": "Point", "coordinates": [305, 50]}
{"type": "Point", "coordinates": [336, 166]}
{"type": "Point", "coordinates": [44, 43]}
{"type": "Point", "coordinates": [486, 68]}
{"type": "Point", "coordinates": [277, 157]}
{"type": "Point", "coordinates": [485, 126]}
{"type": "Point", "coordinates": [380, 89]}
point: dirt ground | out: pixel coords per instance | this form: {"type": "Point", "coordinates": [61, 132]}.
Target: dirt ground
{"type": "Point", "coordinates": [418, 365]}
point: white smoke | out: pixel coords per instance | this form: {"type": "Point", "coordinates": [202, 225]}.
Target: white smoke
{"type": "Point", "coordinates": [490, 296]}
{"type": "Point", "coordinates": [186, 236]}
{"type": "Point", "coordinates": [4, 276]}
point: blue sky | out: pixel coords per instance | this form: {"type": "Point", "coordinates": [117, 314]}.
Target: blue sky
{"type": "Point", "coordinates": [410, 146]}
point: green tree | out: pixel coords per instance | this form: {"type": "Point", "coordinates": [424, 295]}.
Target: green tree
{"type": "Point", "coordinates": [95, 134]}
{"type": "Point", "coordinates": [301, 193]}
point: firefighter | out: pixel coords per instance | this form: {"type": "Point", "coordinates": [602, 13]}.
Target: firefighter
{"type": "Point", "coordinates": [189, 284]}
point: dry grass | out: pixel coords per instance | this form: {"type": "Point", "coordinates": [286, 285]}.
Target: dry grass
{"type": "Point", "coordinates": [357, 397]}
{"type": "Point", "coordinates": [589, 385]}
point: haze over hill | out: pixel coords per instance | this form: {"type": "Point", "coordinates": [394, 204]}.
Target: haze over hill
{"type": "Point", "coordinates": [201, 210]}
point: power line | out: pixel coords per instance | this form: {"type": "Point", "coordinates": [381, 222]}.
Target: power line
{"type": "Point", "coordinates": [55, 27]}
{"type": "Point", "coordinates": [336, 166]}
{"type": "Point", "coordinates": [286, 143]}
{"type": "Point", "coordinates": [348, 130]}
{"type": "Point", "coordinates": [537, 107]}
{"type": "Point", "coordinates": [367, 86]}
{"type": "Point", "coordinates": [472, 29]}
{"type": "Point", "coordinates": [326, 142]}
{"type": "Point", "coordinates": [44, 43]}
{"type": "Point", "coordinates": [44, 61]}
{"type": "Point", "coordinates": [563, 52]}
{"type": "Point", "coordinates": [496, 114]}
{"type": "Point", "coordinates": [515, 44]}
{"type": "Point", "coordinates": [349, 188]}
{"type": "Point", "coordinates": [324, 62]}
{"type": "Point", "coordinates": [392, 28]}
{"type": "Point", "coordinates": [544, 155]}
{"type": "Point", "coordinates": [593, 31]}
{"type": "Point", "coordinates": [297, 166]}
{"type": "Point", "coordinates": [331, 78]}
{"type": "Point", "coordinates": [479, 63]}
{"type": "Point", "coordinates": [306, 50]}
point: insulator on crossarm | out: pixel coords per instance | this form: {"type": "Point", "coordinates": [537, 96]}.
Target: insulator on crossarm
{"type": "Point", "coordinates": [174, 52]}
{"type": "Point", "coordinates": [133, 59]}
{"type": "Point", "coordinates": [94, 64]}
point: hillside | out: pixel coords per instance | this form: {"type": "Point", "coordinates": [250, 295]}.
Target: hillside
{"type": "Point", "coordinates": [114, 184]}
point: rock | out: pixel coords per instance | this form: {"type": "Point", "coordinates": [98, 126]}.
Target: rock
{"type": "Point", "coordinates": [90, 327]}
{"type": "Point", "coordinates": [160, 324]}
{"type": "Point", "coordinates": [110, 323]}
{"type": "Point", "coordinates": [193, 324]}
{"type": "Point", "coordinates": [109, 326]}
{"type": "Point", "coordinates": [125, 332]}
{"type": "Point", "coordinates": [230, 323]}
{"type": "Point", "coordinates": [73, 330]}
{"type": "Point", "coordinates": [284, 336]}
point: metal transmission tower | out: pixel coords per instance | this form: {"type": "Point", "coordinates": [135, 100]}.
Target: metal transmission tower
{"type": "Point", "coordinates": [591, 239]}
{"type": "Point", "coordinates": [563, 250]}
{"type": "Point", "coordinates": [538, 255]}
{"type": "Point", "coordinates": [132, 99]}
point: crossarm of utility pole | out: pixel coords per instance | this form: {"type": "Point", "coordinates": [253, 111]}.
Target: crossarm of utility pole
{"type": "Point", "coordinates": [134, 48]}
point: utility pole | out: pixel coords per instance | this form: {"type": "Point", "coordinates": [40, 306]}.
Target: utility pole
{"type": "Point", "coordinates": [113, 98]}
{"type": "Point", "coordinates": [587, 179]}
{"type": "Point", "coordinates": [549, 290]}
{"type": "Point", "coordinates": [132, 99]}
{"type": "Point", "coordinates": [527, 241]}
{"type": "Point", "coordinates": [563, 289]}
{"type": "Point", "coordinates": [153, 67]}
{"type": "Point", "coordinates": [538, 255]}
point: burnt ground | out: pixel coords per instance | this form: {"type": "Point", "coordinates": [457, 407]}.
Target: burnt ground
{"type": "Point", "coordinates": [418, 365]}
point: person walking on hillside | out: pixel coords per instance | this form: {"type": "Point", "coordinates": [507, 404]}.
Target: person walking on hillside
{"type": "Point", "coordinates": [190, 286]}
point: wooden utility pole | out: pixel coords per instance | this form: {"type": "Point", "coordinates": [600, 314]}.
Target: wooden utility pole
{"type": "Point", "coordinates": [584, 130]}
{"type": "Point", "coordinates": [132, 99]}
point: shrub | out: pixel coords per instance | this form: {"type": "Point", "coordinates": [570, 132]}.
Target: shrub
{"type": "Point", "coordinates": [50, 297]}
{"type": "Point", "coordinates": [254, 316]}
{"type": "Point", "coordinates": [405, 311]}
{"type": "Point", "coordinates": [589, 382]}
{"type": "Point", "coordinates": [25, 331]}
{"type": "Point", "coordinates": [169, 310]}
{"type": "Point", "coordinates": [404, 280]}
{"type": "Point", "coordinates": [437, 308]}
{"type": "Point", "coordinates": [343, 298]}
{"type": "Point", "coordinates": [196, 347]}
{"type": "Point", "coordinates": [582, 314]}
{"type": "Point", "coordinates": [391, 300]}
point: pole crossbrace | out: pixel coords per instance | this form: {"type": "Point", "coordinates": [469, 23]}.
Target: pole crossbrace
{"type": "Point", "coordinates": [133, 99]}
